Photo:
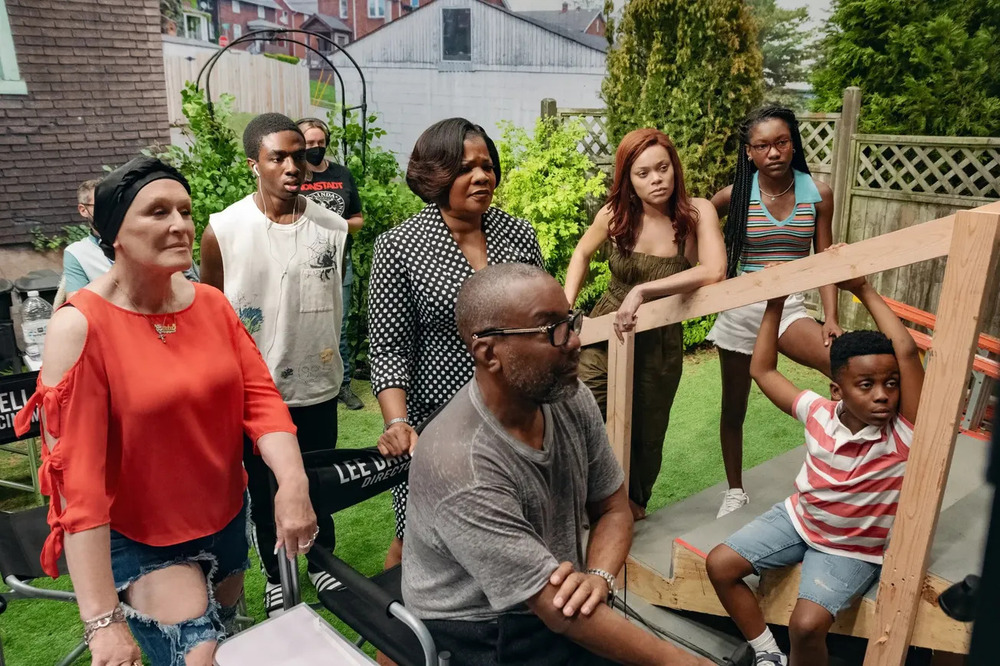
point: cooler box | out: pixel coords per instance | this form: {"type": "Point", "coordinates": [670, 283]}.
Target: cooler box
{"type": "Point", "coordinates": [45, 282]}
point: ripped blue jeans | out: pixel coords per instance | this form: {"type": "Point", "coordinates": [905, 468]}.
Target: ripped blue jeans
{"type": "Point", "coordinates": [220, 555]}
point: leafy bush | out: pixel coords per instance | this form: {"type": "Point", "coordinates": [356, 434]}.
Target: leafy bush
{"type": "Point", "coordinates": [42, 242]}
{"type": "Point", "coordinates": [385, 202]}
{"type": "Point", "coordinates": [213, 163]}
{"type": "Point", "coordinates": [692, 69]}
{"type": "Point", "coordinates": [923, 66]}
{"type": "Point", "coordinates": [547, 181]}
{"type": "Point", "coordinates": [696, 330]}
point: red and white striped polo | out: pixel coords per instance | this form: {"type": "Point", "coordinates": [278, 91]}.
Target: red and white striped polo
{"type": "Point", "coordinates": [848, 489]}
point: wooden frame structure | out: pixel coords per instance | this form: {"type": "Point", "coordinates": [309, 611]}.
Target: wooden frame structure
{"type": "Point", "coordinates": [906, 598]}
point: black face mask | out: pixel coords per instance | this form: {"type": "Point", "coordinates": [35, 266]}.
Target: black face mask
{"type": "Point", "coordinates": [315, 155]}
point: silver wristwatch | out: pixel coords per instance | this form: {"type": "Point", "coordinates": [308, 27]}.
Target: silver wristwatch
{"type": "Point", "coordinates": [609, 579]}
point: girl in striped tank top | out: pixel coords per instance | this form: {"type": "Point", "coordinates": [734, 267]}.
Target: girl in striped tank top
{"type": "Point", "coordinates": [776, 212]}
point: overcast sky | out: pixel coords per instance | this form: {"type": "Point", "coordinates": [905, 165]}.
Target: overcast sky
{"type": "Point", "coordinates": [819, 10]}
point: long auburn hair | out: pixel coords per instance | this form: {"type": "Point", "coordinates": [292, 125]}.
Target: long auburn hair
{"type": "Point", "coordinates": [735, 230]}
{"type": "Point", "coordinates": [625, 205]}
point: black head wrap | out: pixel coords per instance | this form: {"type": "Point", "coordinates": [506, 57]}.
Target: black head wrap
{"type": "Point", "coordinates": [116, 191]}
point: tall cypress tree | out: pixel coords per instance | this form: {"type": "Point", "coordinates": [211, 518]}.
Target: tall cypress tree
{"type": "Point", "coordinates": [923, 66]}
{"type": "Point", "coordinates": [692, 69]}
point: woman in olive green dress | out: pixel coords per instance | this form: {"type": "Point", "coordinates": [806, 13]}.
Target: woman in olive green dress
{"type": "Point", "coordinates": [658, 242]}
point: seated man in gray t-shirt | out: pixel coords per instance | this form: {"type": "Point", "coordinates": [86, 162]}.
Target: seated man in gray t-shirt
{"type": "Point", "coordinates": [504, 483]}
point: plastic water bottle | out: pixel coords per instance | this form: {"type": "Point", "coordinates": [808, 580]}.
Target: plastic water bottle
{"type": "Point", "coordinates": [35, 313]}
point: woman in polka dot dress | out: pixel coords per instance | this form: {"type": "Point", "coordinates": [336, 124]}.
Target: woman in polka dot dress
{"type": "Point", "coordinates": [418, 360]}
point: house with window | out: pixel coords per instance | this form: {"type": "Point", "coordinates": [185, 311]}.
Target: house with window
{"type": "Point", "coordinates": [330, 27]}
{"type": "Point", "coordinates": [71, 103]}
{"type": "Point", "coordinates": [470, 58]}
{"type": "Point", "coordinates": [235, 18]}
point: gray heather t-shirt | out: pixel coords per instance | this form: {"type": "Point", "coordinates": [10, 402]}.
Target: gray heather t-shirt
{"type": "Point", "coordinates": [489, 518]}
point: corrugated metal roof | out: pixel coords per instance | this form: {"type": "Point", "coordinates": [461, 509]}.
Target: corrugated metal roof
{"type": "Point", "coordinates": [261, 24]}
{"type": "Point", "coordinates": [331, 22]}
{"type": "Point", "coordinates": [575, 20]}
{"type": "Point", "coordinates": [308, 7]}
{"type": "Point", "coordinates": [267, 4]}
{"type": "Point", "coordinates": [590, 41]}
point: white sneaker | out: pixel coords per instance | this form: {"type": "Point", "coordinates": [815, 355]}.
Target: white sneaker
{"type": "Point", "coordinates": [734, 499]}
{"type": "Point", "coordinates": [274, 599]}
{"type": "Point", "coordinates": [323, 581]}
{"type": "Point", "coordinates": [771, 659]}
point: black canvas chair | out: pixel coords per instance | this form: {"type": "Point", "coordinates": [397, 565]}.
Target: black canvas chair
{"type": "Point", "coordinates": [373, 607]}
{"type": "Point", "coordinates": [22, 535]}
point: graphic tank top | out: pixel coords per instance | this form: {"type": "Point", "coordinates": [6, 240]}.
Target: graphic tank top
{"type": "Point", "coordinates": [284, 281]}
{"type": "Point", "coordinates": [769, 240]}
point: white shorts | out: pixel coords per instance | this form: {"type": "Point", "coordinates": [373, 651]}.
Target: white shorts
{"type": "Point", "coordinates": [736, 330]}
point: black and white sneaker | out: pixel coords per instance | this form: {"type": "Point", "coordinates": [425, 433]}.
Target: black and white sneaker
{"type": "Point", "coordinates": [274, 599]}
{"type": "Point", "coordinates": [323, 581]}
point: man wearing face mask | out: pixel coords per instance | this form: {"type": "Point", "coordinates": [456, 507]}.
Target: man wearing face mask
{"type": "Point", "coordinates": [277, 256]}
{"type": "Point", "coordinates": [331, 185]}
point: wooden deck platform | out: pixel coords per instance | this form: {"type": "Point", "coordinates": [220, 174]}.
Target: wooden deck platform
{"type": "Point", "coordinates": [666, 566]}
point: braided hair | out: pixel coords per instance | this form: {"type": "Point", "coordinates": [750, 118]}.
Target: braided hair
{"type": "Point", "coordinates": [736, 225]}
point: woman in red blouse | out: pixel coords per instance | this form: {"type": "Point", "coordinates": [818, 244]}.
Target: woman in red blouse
{"type": "Point", "coordinates": [147, 385]}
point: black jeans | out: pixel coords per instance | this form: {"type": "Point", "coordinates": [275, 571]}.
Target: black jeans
{"type": "Point", "coordinates": [317, 431]}
{"type": "Point", "coordinates": [512, 639]}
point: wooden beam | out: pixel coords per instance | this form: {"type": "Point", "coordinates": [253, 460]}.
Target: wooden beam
{"type": "Point", "coordinates": [843, 160]}
{"type": "Point", "coordinates": [972, 265]}
{"type": "Point", "coordinates": [688, 588]}
{"type": "Point", "coordinates": [921, 242]}
{"type": "Point", "coordinates": [621, 358]}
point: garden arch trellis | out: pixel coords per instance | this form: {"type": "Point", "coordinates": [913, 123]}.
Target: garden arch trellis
{"type": "Point", "coordinates": [277, 35]}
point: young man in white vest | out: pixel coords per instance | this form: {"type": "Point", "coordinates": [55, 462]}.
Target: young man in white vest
{"type": "Point", "coordinates": [278, 257]}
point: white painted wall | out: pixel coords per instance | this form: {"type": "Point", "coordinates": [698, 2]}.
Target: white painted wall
{"type": "Point", "coordinates": [408, 101]}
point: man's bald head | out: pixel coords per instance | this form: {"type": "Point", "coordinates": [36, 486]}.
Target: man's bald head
{"type": "Point", "coordinates": [493, 294]}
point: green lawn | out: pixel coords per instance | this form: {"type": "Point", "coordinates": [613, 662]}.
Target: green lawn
{"type": "Point", "coordinates": [323, 93]}
{"type": "Point", "coordinates": [38, 633]}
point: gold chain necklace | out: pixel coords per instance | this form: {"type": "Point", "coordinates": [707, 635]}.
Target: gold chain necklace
{"type": "Point", "coordinates": [775, 196]}
{"type": "Point", "coordinates": [162, 330]}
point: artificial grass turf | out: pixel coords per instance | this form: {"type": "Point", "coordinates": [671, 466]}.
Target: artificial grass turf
{"type": "Point", "coordinates": [39, 633]}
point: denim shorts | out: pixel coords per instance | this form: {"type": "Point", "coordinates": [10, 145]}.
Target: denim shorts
{"type": "Point", "coordinates": [220, 555]}
{"type": "Point", "coordinates": [832, 581]}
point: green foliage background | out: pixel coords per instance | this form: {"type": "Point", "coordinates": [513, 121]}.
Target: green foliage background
{"type": "Point", "coordinates": [785, 45]}
{"type": "Point", "coordinates": [385, 202]}
{"type": "Point", "coordinates": [924, 66]}
{"type": "Point", "coordinates": [550, 183]}
{"type": "Point", "coordinates": [692, 69]}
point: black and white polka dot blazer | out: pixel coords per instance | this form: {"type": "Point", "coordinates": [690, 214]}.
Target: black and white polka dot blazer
{"type": "Point", "coordinates": [417, 272]}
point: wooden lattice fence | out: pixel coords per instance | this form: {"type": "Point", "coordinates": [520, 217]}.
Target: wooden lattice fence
{"type": "Point", "coordinates": [819, 138]}
{"type": "Point", "coordinates": [899, 181]}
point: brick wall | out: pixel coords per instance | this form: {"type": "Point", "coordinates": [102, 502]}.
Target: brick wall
{"type": "Point", "coordinates": [597, 27]}
{"type": "Point", "coordinates": [96, 96]}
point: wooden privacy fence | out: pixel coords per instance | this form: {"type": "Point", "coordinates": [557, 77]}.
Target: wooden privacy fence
{"type": "Point", "coordinates": [260, 84]}
{"type": "Point", "coordinates": [900, 181]}
{"type": "Point", "coordinates": [970, 242]}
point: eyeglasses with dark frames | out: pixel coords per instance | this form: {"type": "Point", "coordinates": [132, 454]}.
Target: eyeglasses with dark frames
{"type": "Point", "coordinates": [761, 148]}
{"type": "Point", "coordinates": [559, 332]}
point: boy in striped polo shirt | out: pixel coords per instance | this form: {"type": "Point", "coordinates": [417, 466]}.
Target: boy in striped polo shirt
{"type": "Point", "coordinates": [838, 520]}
